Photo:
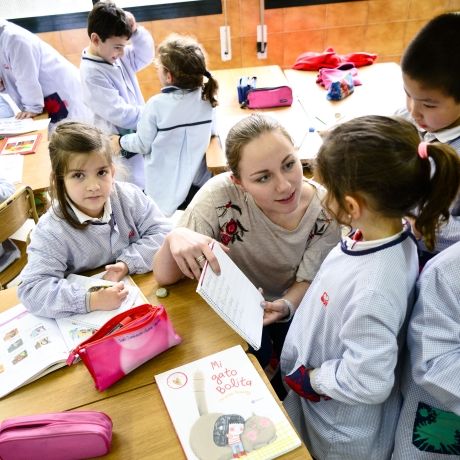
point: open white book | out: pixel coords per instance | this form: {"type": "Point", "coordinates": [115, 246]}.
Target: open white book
{"type": "Point", "coordinates": [233, 297]}
{"type": "Point", "coordinates": [32, 346]}
{"type": "Point", "coordinates": [222, 409]}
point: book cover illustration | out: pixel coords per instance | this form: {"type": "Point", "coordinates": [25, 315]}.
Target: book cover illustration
{"type": "Point", "coordinates": [22, 145]}
{"type": "Point", "coordinates": [222, 409]}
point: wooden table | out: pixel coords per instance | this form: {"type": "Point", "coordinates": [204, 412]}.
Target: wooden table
{"type": "Point", "coordinates": [142, 427]}
{"type": "Point", "coordinates": [381, 93]}
{"type": "Point", "coordinates": [37, 166]}
{"type": "Point", "coordinates": [293, 118]}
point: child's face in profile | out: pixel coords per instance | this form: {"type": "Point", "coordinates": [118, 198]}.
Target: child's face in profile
{"type": "Point", "coordinates": [431, 109]}
{"type": "Point", "coordinates": [109, 50]}
{"type": "Point", "coordinates": [88, 182]}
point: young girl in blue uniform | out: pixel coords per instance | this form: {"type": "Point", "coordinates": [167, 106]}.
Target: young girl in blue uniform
{"type": "Point", "coordinates": [94, 221]}
{"type": "Point", "coordinates": [176, 125]}
{"type": "Point", "coordinates": [341, 352]}
{"type": "Point", "coordinates": [430, 417]}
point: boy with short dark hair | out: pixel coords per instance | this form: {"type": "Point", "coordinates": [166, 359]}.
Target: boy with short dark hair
{"type": "Point", "coordinates": [108, 71]}
{"type": "Point", "coordinates": [431, 69]}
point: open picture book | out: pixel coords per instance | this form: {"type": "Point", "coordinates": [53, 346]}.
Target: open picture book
{"type": "Point", "coordinates": [22, 145]}
{"type": "Point", "coordinates": [233, 297]}
{"type": "Point", "coordinates": [32, 346]}
{"type": "Point", "coordinates": [222, 409]}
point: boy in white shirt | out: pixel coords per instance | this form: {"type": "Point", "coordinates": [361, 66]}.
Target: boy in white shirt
{"type": "Point", "coordinates": [108, 71]}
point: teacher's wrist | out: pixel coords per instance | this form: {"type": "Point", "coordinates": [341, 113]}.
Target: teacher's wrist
{"type": "Point", "coordinates": [290, 313]}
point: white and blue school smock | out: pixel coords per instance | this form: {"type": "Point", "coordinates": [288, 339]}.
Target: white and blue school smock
{"type": "Point", "coordinates": [134, 233]}
{"type": "Point", "coordinates": [349, 328]}
{"type": "Point", "coordinates": [113, 94]}
{"type": "Point", "coordinates": [429, 424]}
{"type": "Point", "coordinates": [31, 70]}
{"type": "Point", "coordinates": [112, 91]}
{"type": "Point", "coordinates": [173, 134]}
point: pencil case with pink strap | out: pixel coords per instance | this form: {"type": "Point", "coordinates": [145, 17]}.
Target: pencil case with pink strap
{"type": "Point", "coordinates": [56, 436]}
{"type": "Point", "coordinates": [264, 98]}
{"type": "Point", "coordinates": [125, 342]}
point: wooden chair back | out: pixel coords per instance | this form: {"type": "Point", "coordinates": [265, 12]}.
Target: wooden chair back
{"type": "Point", "coordinates": [14, 212]}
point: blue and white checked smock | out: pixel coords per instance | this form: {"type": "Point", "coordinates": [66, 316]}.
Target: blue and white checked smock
{"type": "Point", "coordinates": [349, 327]}
{"type": "Point", "coordinates": [433, 340]}
{"type": "Point", "coordinates": [133, 235]}
{"type": "Point", "coordinates": [173, 134]}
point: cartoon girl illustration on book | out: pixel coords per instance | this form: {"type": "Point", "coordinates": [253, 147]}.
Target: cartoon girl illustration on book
{"type": "Point", "coordinates": [217, 436]}
{"type": "Point", "coordinates": [228, 430]}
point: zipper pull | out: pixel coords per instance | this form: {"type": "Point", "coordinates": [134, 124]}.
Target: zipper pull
{"type": "Point", "coordinates": [74, 355]}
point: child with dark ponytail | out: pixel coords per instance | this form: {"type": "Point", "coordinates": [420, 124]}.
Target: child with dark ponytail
{"type": "Point", "coordinates": [175, 128]}
{"type": "Point", "coordinates": [340, 356]}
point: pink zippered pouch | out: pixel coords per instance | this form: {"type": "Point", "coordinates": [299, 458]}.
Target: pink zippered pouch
{"type": "Point", "coordinates": [264, 98]}
{"type": "Point", "coordinates": [56, 436]}
{"type": "Point", "coordinates": [125, 342]}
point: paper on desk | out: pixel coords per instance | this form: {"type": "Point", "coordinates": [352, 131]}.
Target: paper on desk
{"type": "Point", "coordinates": [12, 126]}
{"type": "Point", "coordinates": [310, 146]}
{"type": "Point", "coordinates": [7, 98]}
{"type": "Point", "coordinates": [77, 328]}
{"type": "Point", "coordinates": [11, 167]}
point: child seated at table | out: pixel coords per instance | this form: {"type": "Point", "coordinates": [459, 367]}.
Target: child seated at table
{"type": "Point", "coordinates": [108, 71]}
{"type": "Point", "coordinates": [431, 66]}
{"type": "Point", "coordinates": [94, 221]}
{"type": "Point", "coordinates": [176, 125]}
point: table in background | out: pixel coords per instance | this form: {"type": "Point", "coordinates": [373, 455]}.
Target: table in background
{"type": "Point", "coordinates": [37, 166]}
{"type": "Point", "coordinates": [381, 93]}
{"type": "Point", "coordinates": [142, 427]}
{"type": "Point", "coordinates": [293, 118]}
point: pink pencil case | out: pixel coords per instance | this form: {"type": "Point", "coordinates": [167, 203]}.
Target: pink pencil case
{"type": "Point", "coordinates": [56, 436]}
{"type": "Point", "coordinates": [264, 98]}
{"type": "Point", "coordinates": [125, 342]}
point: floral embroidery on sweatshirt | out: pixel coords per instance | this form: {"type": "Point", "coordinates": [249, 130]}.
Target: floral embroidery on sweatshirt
{"type": "Point", "coordinates": [232, 230]}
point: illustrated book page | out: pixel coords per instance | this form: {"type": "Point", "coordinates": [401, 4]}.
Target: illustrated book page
{"type": "Point", "coordinates": [32, 346]}
{"type": "Point", "coordinates": [222, 409]}
{"type": "Point", "coordinates": [22, 145]}
{"type": "Point", "coordinates": [233, 297]}
{"type": "Point", "coordinates": [77, 328]}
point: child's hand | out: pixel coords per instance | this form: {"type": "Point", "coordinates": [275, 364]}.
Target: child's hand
{"type": "Point", "coordinates": [22, 115]}
{"type": "Point", "coordinates": [115, 142]}
{"type": "Point", "coordinates": [108, 298]}
{"type": "Point", "coordinates": [274, 311]}
{"type": "Point", "coordinates": [132, 21]}
{"type": "Point", "coordinates": [116, 272]}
